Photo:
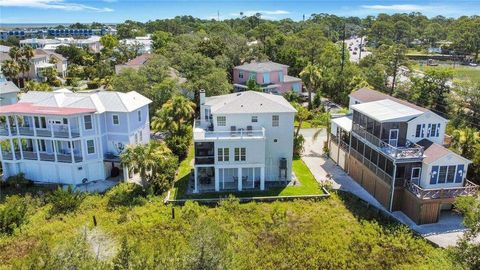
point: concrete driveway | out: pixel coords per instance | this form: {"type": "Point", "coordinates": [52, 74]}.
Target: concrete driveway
{"type": "Point", "coordinates": [444, 233]}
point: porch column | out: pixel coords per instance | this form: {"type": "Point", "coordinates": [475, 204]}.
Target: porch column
{"type": "Point", "coordinates": [34, 127]}
{"type": "Point", "coordinates": [54, 149]}
{"type": "Point", "coordinates": [37, 148]}
{"type": "Point", "coordinates": [8, 126]}
{"type": "Point", "coordinates": [195, 175]}
{"type": "Point", "coordinates": [80, 126]}
{"type": "Point", "coordinates": [16, 123]}
{"type": "Point", "coordinates": [217, 179]}
{"type": "Point", "coordinates": [253, 177]}
{"type": "Point", "coordinates": [14, 156]}
{"type": "Point", "coordinates": [262, 178]}
{"type": "Point", "coordinates": [51, 129]}
{"type": "Point", "coordinates": [69, 129]}
{"type": "Point", "coordinates": [71, 151]}
{"type": "Point", "coordinates": [20, 147]}
{"type": "Point", "coordinates": [240, 179]}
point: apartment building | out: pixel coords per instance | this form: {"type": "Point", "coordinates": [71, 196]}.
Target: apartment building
{"type": "Point", "coordinates": [272, 77]}
{"type": "Point", "coordinates": [394, 149]}
{"type": "Point", "coordinates": [71, 138]}
{"type": "Point", "coordinates": [42, 33]}
{"type": "Point", "coordinates": [91, 43]}
{"type": "Point", "coordinates": [243, 141]}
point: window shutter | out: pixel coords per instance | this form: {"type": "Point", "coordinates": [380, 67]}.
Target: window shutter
{"type": "Point", "coordinates": [438, 130]}
{"type": "Point", "coordinates": [434, 175]}
{"type": "Point", "coordinates": [428, 130]}
{"type": "Point", "coordinates": [459, 174]}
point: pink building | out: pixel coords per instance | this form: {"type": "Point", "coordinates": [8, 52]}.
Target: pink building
{"type": "Point", "coordinates": [271, 76]}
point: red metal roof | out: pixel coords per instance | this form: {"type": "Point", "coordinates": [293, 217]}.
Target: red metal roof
{"type": "Point", "coordinates": [29, 108]}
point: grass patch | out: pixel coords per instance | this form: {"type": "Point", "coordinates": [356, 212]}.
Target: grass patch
{"type": "Point", "coordinates": [308, 185]}
{"type": "Point", "coordinates": [183, 174]}
{"type": "Point", "coordinates": [459, 72]}
{"type": "Point", "coordinates": [305, 124]}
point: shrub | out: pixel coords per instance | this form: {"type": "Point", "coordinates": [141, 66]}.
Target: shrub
{"type": "Point", "coordinates": [65, 200]}
{"type": "Point", "coordinates": [298, 142]}
{"type": "Point", "coordinates": [13, 213]}
{"type": "Point", "coordinates": [126, 194]}
{"type": "Point", "coordinates": [179, 145]}
{"type": "Point", "coordinates": [17, 181]}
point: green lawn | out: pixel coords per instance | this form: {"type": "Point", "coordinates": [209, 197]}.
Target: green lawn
{"type": "Point", "coordinates": [308, 186]}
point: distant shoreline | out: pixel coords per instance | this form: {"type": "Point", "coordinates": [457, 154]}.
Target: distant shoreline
{"type": "Point", "coordinates": [38, 25]}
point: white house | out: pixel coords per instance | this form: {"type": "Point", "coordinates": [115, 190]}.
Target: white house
{"type": "Point", "coordinates": [395, 150]}
{"type": "Point", "coordinates": [243, 141]}
{"type": "Point", "coordinates": [65, 137]}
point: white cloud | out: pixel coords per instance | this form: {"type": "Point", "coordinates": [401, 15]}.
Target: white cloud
{"type": "Point", "coordinates": [265, 13]}
{"type": "Point", "coordinates": [398, 8]}
{"type": "Point", "coordinates": [51, 4]}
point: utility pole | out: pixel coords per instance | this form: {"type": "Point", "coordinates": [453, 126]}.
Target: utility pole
{"type": "Point", "coordinates": [218, 15]}
{"type": "Point", "coordinates": [343, 48]}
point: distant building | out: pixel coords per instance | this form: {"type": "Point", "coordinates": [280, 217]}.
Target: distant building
{"type": "Point", "coordinates": [91, 43]}
{"type": "Point", "coordinates": [272, 77]}
{"type": "Point", "coordinates": [143, 44]}
{"type": "Point", "coordinates": [42, 33]}
{"type": "Point", "coordinates": [69, 138]}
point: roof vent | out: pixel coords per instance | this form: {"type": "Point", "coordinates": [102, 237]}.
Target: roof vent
{"type": "Point", "coordinates": [241, 105]}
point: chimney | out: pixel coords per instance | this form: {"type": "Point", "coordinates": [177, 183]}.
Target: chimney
{"type": "Point", "coordinates": [202, 97]}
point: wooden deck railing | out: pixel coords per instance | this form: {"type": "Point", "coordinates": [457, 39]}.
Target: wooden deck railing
{"type": "Point", "coordinates": [441, 193]}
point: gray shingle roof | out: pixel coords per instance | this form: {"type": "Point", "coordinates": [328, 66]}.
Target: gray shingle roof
{"type": "Point", "coordinates": [262, 66]}
{"type": "Point", "coordinates": [248, 102]}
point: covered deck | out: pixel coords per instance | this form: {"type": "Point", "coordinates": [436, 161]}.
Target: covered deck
{"type": "Point", "coordinates": [218, 179]}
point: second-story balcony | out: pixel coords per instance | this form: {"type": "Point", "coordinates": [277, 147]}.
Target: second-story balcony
{"type": "Point", "coordinates": [409, 151]}
{"type": "Point", "coordinates": [27, 128]}
{"type": "Point", "coordinates": [204, 130]}
{"type": "Point", "coordinates": [442, 193]}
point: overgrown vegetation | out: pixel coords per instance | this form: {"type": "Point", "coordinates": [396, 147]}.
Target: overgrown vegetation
{"type": "Point", "coordinates": [329, 234]}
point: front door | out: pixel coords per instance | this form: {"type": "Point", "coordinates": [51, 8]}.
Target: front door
{"type": "Point", "coordinates": [416, 175]}
{"type": "Point", "coordinates": [393, 137]}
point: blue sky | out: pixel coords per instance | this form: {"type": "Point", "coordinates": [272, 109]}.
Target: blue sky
{"type": "Point", "coordinates": [65, 11]}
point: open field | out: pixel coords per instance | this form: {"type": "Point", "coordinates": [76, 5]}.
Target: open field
{"type": "Point", "coordinates": [460, 72]}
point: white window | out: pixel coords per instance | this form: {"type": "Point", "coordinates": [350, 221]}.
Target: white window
{"type": "Point", "coordinates": [433, 130]}
{"type": "Point", "coordinates": [254, 119]}
{"type": "Point", "coordinates": [240, 154]}
{"type": "Point", "coordinates": [275, 120]}
{"type": "Point", "coordinates": [87, 119]}
{"type": "Point", "coordinates": [139, 115]}
{"type": "Point", "coordinates": [223, 154]}
{"type": "Point", "coordinates": [42, 146]}
{"type": "Point", "coordinates": [240, 74]}
{"type": "Point", "coordinates": [90, 147]}
{"type": "Point", "coordinates": [115, 119]}
{"type": "Point", "coordinates": [221, 121]}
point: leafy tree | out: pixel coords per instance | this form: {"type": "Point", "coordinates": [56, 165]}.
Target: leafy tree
{"type": "Point", "coordinates": [129, 80]}
{"type": "Point", "coordinates": [36, 86]}
{"type": "Point", "coordinates": [214, 83]}
{"type": "Point", "coordinates": [432, 89]}
{"type": "Point", "coordinates": [154, 162]}
{"type": "Point", "coordinates": [252, 85]}
{"type": "Point", "coordinates": [27, 52]}
{"type": "Point", "coordinates": [160, 40]}
{"type": "Point", "coordinates": [109, 42]}
{"type": "Point", "coordinates": [467, 249]}
{"type": "Point", "coordinates": [392, 57]}
{"type": "Point", "coordinates": [466, 142]}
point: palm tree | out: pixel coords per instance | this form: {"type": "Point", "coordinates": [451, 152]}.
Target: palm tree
{"type": "Point", "coordinates": [323, 122]}
{"type": "Point", "coordinates": [24, 66]}
{"type": "Point", "coordinates": [150, 161]}
{"type": "Point", "coordinates": [10, 68]}
{"type": "Point", "coordinates": [27, 52]}
{"type": "Point", "coordinates": [15, 53]}
{"type": "Point", "coordinates": [302, 115]}
{"type": "Point", "coordinates": [311, 76]}
{"type": "Point", "coordinates": [174, 115]}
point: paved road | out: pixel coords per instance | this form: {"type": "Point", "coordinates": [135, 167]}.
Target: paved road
{"type": "Point", "coordinates": [355, 43]}
{"type": "Point", "coordinates": [444, 233]}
